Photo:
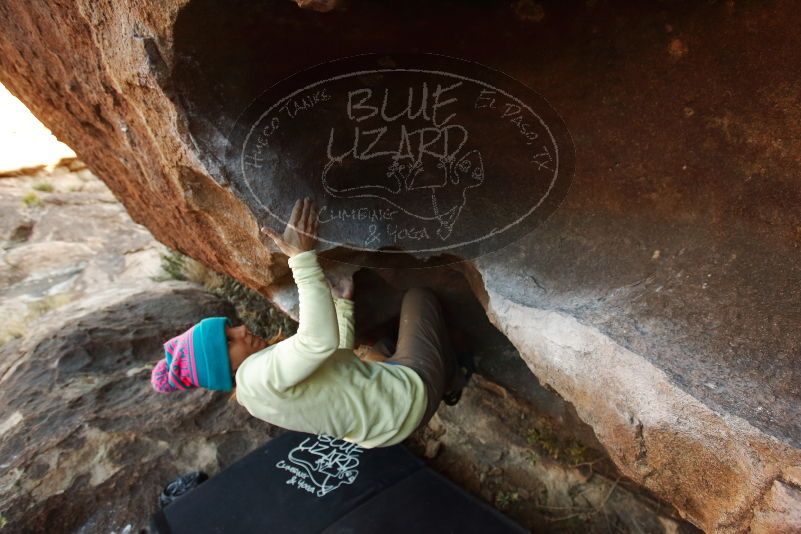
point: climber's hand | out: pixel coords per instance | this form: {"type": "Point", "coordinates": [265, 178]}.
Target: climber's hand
{"type": "Point", "coordinates": [301, 230]}
{"type": "Point", "coordinates": [342, 288]}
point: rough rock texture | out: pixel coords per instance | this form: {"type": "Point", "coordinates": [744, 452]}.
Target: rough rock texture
{"type": "Point", "coordinates": [661, 300]}
{"type": "Point", "coordinates": [494, 445]}
{"type": "Point", "coordinates": [531, 457]}
{"type": "Point", "coordinates": [62, 235]}
{"type": "Point", "coordinates": [780, 511]}
{"type": "Point", "coordinates": [85, 442]}
{"type": "Point", "coordinates": [110, 91]}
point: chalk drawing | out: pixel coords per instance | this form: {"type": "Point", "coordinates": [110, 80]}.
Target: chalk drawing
{"type": "Point", "coordinates": [414, 153]}
{"type": "Point", "coordinates": [321, 464]}
{"type": "Point", "coordinates": [442, 200]}
{"type": "Point", "coordinates": [404, 154]}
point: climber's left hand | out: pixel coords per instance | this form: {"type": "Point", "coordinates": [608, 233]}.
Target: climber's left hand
{"type": "Point", "coordinates": [301, 230]}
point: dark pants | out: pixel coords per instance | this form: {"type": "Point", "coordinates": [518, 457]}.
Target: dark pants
{"type": "Point", "coordinates": [424, 345]}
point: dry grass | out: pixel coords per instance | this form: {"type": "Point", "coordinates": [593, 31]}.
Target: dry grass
{"type": "Point", "coordinates": [31, 199]}
{"type": "Point", "coordinates": [255, 311]}
{"type": "Point", "coordinates": [544, 438]}
{"type": "Point", "coordinates": [45, 187]}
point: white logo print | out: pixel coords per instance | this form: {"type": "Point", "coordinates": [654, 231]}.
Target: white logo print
{"type": "Point", "coordinates": [321, 464]}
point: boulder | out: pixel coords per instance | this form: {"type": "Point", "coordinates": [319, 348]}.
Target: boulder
{"type": "Point", "coordinates": [123, 257]}
{"type": "Point", "coordinates": [87, 445]}
{"type": "Point", "coordinates": [493, 444]}
{"type": "Point", "coordinates": [661, 300]}
{"type": "Point", "coordinates": [73, 240]}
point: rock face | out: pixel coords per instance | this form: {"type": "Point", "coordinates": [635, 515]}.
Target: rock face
{"type": "Point", "coordinates": [85, 443]}
{"type": "Point", "coordinates": [487, 445]}
{"type": "Point", "coordinates": [502, 449]}
{"type": "Point", "coordinates": [663, 298]}
{"type": "Point", "coordinates": [63, 235]}
{"type": "Point", "coordinates": [78, 387]}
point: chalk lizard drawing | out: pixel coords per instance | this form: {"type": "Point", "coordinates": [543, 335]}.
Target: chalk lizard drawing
{"type": "Point", "coordinates": [413, 187]}
{"type": "Point", "coordinates": [329, 462]}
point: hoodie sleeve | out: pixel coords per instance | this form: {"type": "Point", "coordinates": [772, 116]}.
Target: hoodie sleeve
{"type": "Point", "coordinates": [345, 308]}
{"type": "Point", "coordinates": [317, 337]}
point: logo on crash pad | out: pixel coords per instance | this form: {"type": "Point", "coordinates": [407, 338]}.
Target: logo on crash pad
{"type": "Point", "coordinates": [321, 464]}
{"type": "Point", "coordinates": [403, 154]}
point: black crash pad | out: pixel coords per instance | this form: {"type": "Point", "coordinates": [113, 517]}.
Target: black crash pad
{"type": "Point", "coordinates": [301, 483]}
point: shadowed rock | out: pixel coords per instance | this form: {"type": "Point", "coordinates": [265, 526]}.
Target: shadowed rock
{"type": "Point", "coordinates": [86, 443]}
{"type": "Point", "coordinates": [661, 300]}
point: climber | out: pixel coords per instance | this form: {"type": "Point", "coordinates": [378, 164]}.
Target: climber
{"type": "Point", "coordinates": [313, 381]}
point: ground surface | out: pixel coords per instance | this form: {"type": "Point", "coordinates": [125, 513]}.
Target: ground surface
{"type": "Point", "coordinates": [87, 445]}
{"type": "Point", "coordinates": [672, 266]}
{"type": "Point", "coordinates": [661, 300]}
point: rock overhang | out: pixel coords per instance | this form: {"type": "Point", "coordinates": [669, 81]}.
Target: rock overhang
{"type": "Point", "coordinates": [662, 279]}
{"type": "Point", "coordinates": [681, 174]}
{"type": "Point", "coordinates": [658, 276]}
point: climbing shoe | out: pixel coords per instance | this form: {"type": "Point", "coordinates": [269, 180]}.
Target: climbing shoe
{"type": "Point", "coordinates": [465, 369]}
{"type": "Point", "coordinates": [180, 486]}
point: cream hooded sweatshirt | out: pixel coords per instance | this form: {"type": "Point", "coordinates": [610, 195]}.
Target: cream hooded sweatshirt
{"type": "Point", "coordinates": [314, 382]}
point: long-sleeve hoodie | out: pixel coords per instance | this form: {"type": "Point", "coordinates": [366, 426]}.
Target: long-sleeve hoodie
{"type": "Point", "coordinates": [314, 382]}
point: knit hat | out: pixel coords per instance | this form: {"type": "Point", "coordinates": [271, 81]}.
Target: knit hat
{"type": "Point", "coordinates": [196, 358]}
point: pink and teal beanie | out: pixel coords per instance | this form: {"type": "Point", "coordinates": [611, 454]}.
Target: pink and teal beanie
{"type": "Point", "coordinates": [196, 358]}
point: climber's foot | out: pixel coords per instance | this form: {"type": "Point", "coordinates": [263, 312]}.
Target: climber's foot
{"type": "Point", "coordinates": [465, 367]}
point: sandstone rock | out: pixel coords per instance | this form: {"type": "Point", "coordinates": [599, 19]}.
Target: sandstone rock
{"type": "Point", "coordinates": [318, 5]}
{"type": "Point", "coordinates": [86, 443]}
{"type": "Point", "coordinates": [36, 258]}
{"type": "Point", "coordinates": [485, 449]}
{"type": "Point", "coordinates": [681, 361]}
{"type": "Point", "coordinates": [780, 511]}
{"type": "Point", "coordinates": [432, 449]}
{"type": "Point", "coordinates": [14, 221]}
{"type": "Point", "coordinates": [77, 240]}
{"type": "Point", "coordinates": [75, 375]}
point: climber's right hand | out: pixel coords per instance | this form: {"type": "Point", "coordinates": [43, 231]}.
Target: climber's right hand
{"type": "Point", "coordinates": [342, 287]}
{"type": "Point", "coordinates": [301, 230]}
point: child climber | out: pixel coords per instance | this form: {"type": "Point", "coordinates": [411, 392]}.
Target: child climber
{"type": "Point", "coordinates": [313, 381]}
